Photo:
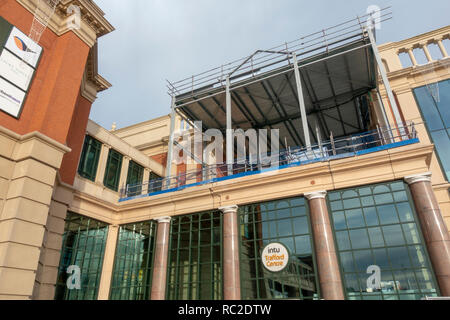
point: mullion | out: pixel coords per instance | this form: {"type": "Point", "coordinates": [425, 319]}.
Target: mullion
{"type": "Point", "coordinates": [190, 266]}
{"type": "Point", "coordinates": [385, 247]}
{"type": "Point", "coordinates": [198, 253]}
{"type": "Point", "coordinates": [84, 253]}
{"type": "Point", "coordinates": [91, 258]}
{"type": "Point", "coordinates": [177, 265]}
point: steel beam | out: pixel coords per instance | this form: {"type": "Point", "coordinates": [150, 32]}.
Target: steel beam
{"type": "Point", "coordinates": [171, 140]}
{"type": "Point", "coordinates": [230, 156]}
{"type": "Point", "coordinates": [387, 85]}
{"type": "Point", "coordinates": [301, 101]}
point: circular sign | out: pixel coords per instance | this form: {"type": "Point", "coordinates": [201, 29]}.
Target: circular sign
{"type": "Point", "coordinates": [275, 257]}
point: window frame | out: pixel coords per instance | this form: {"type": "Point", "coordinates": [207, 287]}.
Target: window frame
{"type": "Point", "coordinates": [428, 129]}
{"type": "Point", "coordinates": [397, 294]}
{"type": "Point", "coordinates": [113, 155]}
{"type": "Point", "coordinates": [89, 144]}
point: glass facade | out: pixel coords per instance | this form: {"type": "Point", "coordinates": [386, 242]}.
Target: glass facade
{"type": "Point", "coordinates": [195, 257]}
{"type": "Point", "coordinates": [133, 265]}
{"type": "Point", "coordinates": [286, 222]}
{"type": "Point", "coordinates": [376, 226]}
{"type": "Point", "coordinates": [84, 243]}
{"type": "Point", "coordinates": [113, 168]}
{"type": "Point", "coordinates": [434, 102]}
{"type": "Point", "coordinates": [90, 155]}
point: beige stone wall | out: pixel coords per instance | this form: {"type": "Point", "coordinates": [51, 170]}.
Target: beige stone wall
{"type": "Point", "coordinates": [28, 167]}
{"type": "Point", "coordinates": [403, 81]}
{"type": "Point", "coordinates": [47, 273]}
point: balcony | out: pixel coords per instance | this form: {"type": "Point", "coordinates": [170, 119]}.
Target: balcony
{"type": "Point", "coordinates": [330, 150]}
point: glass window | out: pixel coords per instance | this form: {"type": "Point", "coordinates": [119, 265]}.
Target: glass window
{"type": "Point", "coordinates": [433, 101]}
{"type": "Point", "coordinates": [134, 179]}
{"type": "Point", "coordinates": [285, 221]}
{"type": "Point", "coordinates": [155, 183]}
{"type": "Point", "coordinates": [90, 155]}
{"type": "Point", "coordinates": [195, 257]}
{"type": "Point", "coordinates": [386, 235]}
{"type": "Point", "coordinates": [84, 243]}
{"type": "Point", "coordinates": [133, 265]}
{"type": "Point", "coordinates": [112, 171]}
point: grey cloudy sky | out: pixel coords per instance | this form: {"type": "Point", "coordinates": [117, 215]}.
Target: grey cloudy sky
{"type": "Point", "coordinates": [156, 40]}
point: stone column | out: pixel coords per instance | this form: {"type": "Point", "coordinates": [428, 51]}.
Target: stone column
{"type": "Point", "coordinates": [108, 263]}
{"type": "Point", "coordinates": [327, 262]}
{"type": "Point", "coordinates": [161, 256]}
{"type": "Point", "coordinates": [412, 57]}
{"type": "Point", "coordinates": [434, 230]}
{"type": "Point", "coordinates": [427, 52]}
{"type": "Point", "coordinates": [442, 48]}
{"type": "Point", "coordinates": [231, 267]}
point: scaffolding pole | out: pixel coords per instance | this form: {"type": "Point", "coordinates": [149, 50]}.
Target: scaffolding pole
{"type": "Point", "coordinates": [301, 102]}
{"type": "Point", "coordinates": [230, 157]}
{"type": "Point", "coordinates": [171, 141]}
{"type": "Point", "coordinates": [398, 119]}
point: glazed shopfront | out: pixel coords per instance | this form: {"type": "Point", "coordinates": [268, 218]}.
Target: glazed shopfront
{"type": "Point", "coordinates": [333, 240]}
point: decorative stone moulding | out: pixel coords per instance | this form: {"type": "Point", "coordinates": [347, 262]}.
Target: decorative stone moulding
{"type": "Point", "coordinates": [316, 195]}
{"type": "Point", "coordinates": [422, 177]}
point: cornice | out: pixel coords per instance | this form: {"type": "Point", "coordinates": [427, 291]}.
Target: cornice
{"type": "Point", "coordinates": [424, 37]}
{"type": "Point", "coordinates": [93, 22]}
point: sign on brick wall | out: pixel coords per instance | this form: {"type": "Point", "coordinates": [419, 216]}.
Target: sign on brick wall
{"type": "Point", "coordinates": [19, 57]}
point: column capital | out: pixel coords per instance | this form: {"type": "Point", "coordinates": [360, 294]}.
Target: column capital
{"type": "Point", "coordinates": [164, 219]}
{"type": "Point", "coordinates": [421, 177]}
{"type": "Point", "coordinates": [315, 195]}
{"type": "Point", "coordinates": [229, 209]}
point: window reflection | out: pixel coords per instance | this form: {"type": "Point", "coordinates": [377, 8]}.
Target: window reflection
{"type": "Point", "coordinates": [385, 235]}
{"type": "Point", "coordinates": [433, 101]}
{"type": "Point", "coordinates": [195, 257]}
{"type": "Point", "coordinates": [84, 243]}
{"type": "Point", "coordinates": [286, 222]}
{"type": "Point", "coordinates": [131, 279]}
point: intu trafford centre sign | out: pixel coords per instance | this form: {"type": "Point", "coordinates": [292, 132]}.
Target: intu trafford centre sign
{"type": "Point", "coordinates": [275, 257]}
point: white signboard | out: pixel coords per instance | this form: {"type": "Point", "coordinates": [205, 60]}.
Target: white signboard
{"type": "Point", "coordinates": [18, 61]}
{"type": "Point", "coordinates": [11, 98]}
{"type": "Point", "coordinates": [275, 257]}
{"type": "Point", "coordinates": [22, 46]}
{"type": "Point", "coordinates": [16, 71]}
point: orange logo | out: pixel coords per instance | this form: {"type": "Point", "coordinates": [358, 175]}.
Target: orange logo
{"type": "Point", "coordinates": [21, 45]}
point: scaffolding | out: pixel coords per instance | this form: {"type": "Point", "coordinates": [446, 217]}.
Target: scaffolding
{"type": "Point", "coordinates": [308, 88]}
{"type": "Point", "coordinates": [44, 11]}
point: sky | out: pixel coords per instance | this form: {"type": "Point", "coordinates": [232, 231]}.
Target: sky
{"type": "Point", "coordinates": [157, 40]}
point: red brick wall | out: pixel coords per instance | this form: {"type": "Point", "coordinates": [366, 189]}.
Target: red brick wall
{"type": "Point", "coordinates": [75, 140]}
{"type": "Point", "coordinates": [51, 101]}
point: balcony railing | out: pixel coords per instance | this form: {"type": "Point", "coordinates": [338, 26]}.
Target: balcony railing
{"type": "Point", "coordinates": [372, 141]}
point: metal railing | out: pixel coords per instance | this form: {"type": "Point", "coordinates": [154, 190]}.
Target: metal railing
{"type": "Point", "coordinates": [261, 61]}
{"type": "Point", "coordinates": [367, 142]}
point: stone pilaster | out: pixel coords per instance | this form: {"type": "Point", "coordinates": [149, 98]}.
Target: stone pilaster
{"type": "Point", "coordinates": [31, 163]}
